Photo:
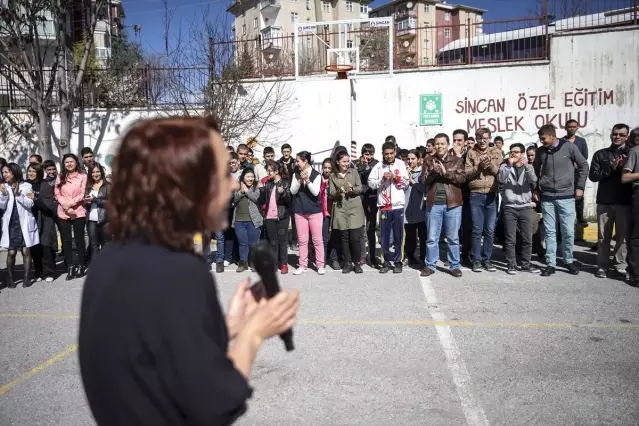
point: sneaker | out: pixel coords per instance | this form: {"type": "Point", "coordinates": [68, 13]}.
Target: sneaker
{"type": "Point", "coordinates": [384, 269]}
{"type": "Point", "coordinates": [457, 273]}
{"type": "Point", "coordinates": [219, 267]}
{"type": "Point", "coordinates": [600, 273]}
{"type": "Point", "coordinates": [321, 271]}
{"type": "Point", "coordinates": [284, 270]}
{"type": "Point", "coordinates": [358, 269]}
{"type": "Point", "coordinates": [227, 263]}
{"type": "Point", "coordinates": [348, 268]}
{"type": "Point", "coordinates": [489, 267]}
{"type": "Point", "coordinates": [300, 271]}
{"type": "Point", "coordinates": [572, 269]}
{"type": "Point", "coordinates": [335, 265]}
{"type": "Point", "coordinates": [243, 266]}
{"type": "Point", "coordinates": [550, 270]}
{"type": "Point", "coordinates": [531, 269]}
{"type": "Point", "coordinates": [477, 267]}
{"type": "Point", "coordinates": [49, 279]}
{"type": "Point", "coordinates": [512, 270]}
{"type": "Point", "coordinates": [398, 268]}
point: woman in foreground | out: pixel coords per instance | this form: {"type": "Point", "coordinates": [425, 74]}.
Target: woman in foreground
{"type": "Point", "coordinates": [154, 342]}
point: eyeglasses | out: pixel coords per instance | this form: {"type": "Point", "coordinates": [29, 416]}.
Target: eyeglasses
{"type": "Point", "coordinates": [621, 135]}
{"type": "Point", "coordinates": [515, 152]}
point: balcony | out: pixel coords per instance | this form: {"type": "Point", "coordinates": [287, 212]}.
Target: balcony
{"type": "Point", "coordinates": [270, 8]}
{"type": "Point", "coordinates": [406, 13]}
{"type": "Point", "coordinates": [272, 39]}
{"type": "Point", "coordinates": [102, 53]}
{"type": "Point", "coordinates": [406, 28]}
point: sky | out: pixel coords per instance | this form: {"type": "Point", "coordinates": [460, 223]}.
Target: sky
{"type": "Point", "coordinates": [148, 14]}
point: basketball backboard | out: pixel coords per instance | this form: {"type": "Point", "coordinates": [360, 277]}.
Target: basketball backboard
{"type": "Point", "coordinates": [365, 44]}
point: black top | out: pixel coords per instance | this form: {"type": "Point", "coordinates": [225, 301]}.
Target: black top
{"type": "Point", "coordinates": [610, 190]}
{"type": "Point", "coordinates": [304, 201]}
{"type": "Point", "coordinates": [153, 341]}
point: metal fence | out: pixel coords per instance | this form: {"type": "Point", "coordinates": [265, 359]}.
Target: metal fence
{"type": "Point", "coordinates": [415, 47]}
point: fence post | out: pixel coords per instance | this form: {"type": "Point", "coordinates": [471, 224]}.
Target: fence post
{"type": "Point", "coordinates": [469, 53]}
{"type": "Point", "coordinates": [636, 3]}
{"type": "Point", "coordinates": [546, 32]}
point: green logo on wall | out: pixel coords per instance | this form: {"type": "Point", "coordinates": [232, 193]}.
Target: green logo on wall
{"type": "Point", "coordinates": [430, 110]}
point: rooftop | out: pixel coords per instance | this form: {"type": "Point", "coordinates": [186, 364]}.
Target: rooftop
{"type": "Point", "coordinates": [437, 3]}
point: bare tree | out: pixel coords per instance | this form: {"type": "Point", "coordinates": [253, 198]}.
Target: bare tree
{"type": "Point", "coordinates": [212, 73]}
{"type": "Point", "coordinates": [37, 63]}
{"type": "Point", "coordinates": [560, 9]}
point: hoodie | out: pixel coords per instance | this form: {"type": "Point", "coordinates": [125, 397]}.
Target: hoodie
{"type": "Point", "coordinates": [390, 193]}
{"type": "Point", "coordinates": [517, 184]}
{"type": "Point", "coordinates": [560, 170]}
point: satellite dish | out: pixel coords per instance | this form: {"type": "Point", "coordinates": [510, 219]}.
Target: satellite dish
{"type": "Point", "coordinates": [409, 59]}
{"type": "Point", "coordinates": [409, 5]}
{"type": "Point", "coordinates": [406, 43]}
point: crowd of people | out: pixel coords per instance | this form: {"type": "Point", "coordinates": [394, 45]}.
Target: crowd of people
{"type": "Point", "coordinates": [467, 195]}
{"type": "Point", "coordinates": [70, 202]}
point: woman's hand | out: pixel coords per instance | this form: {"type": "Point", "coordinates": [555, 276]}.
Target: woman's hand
{"type": "Point", "coordinates": [31, 196]}
{"type": "Point", "coordinates": [241, 306]}
{"type": "Point", "coordinates": [3, 189]}
{"type": "Point", "coordinates": [273, 316]}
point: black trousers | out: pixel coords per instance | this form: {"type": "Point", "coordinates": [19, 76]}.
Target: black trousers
{"type": "Point", "coordinates": [369, 230]}
{"type": "Point", "coordinates": [98, 236]}
{"type": "Point", "coordinates": [413, 232]}
{"type": "Point", "coordinates": [77, 225]}
{"type": "Point", "coordinates": [351, 244]}
{"type": "Point", "coordinates": [517, 222]}
{"type": "Point", "coordinates": [43, 261]}
{"type": "Point", "coordinates": [276, 232]}
{"type": "Point", "coordinates": [579, 210]}
{"type": "Point", "coordinates": [633, 238]}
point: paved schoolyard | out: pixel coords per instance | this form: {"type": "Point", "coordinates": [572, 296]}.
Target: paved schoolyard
{"type": "Point", "coordinates": [383, 350]}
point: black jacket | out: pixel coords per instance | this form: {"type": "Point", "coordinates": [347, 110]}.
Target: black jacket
{"type": "Point", "coordinates": [283, 199]}
{"type": "Point", "coordinates": [364, 172]}
{"type": "Point", "coordinates": [610, 190]}
{"type": "Point", "coordinates": [44, 210]}
{"type": "Point", "coordinates": [100, 201]}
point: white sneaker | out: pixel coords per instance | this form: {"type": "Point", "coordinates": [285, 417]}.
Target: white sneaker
{"type": "Point", "coordinates": [49, 279]}
{"type": "Point", "coordinates": [321, 271]}
{"type": "Point", "coordinates": [299, 271]}
{"type": "Point", "coordinates": [227, 263]}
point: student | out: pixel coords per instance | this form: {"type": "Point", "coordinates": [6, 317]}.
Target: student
{"type": "Point", "coordinates": [369, 202]}
{"type": "Point", "coordinates": [276, 196]}
{"type": "Point", "coordinates": [390, 178]}
{"type": "Point", "coordinates": [631, 175]}
{"type": "Point", "coordinates": [557, 164]}
{"type": "Point", "coordinates": [415, 225]}
{"type": "Point", "coordinates": [517, 181]}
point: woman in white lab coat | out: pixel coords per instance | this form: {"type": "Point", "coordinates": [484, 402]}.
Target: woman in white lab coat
{"type": "Point", "coordinates": [19, 228]}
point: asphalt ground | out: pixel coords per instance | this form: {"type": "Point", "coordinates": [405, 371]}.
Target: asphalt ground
{"type": "Point", "coordinates": [374, 349]}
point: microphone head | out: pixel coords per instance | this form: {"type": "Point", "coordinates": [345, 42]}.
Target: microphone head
{"type": "Point", "coordinates": [262, 258]}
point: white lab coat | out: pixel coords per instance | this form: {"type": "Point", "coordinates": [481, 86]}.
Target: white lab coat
{"type": "Point", "coordinates": [27, 221]}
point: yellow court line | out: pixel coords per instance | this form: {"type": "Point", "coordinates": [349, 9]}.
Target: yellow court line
{"type": "Point", "coordinates": [393, 322]}
{"type": "Point", "coordinates": [35, 370]}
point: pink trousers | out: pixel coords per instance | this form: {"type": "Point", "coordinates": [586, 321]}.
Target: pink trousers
{"type": "Point", "coordinates": [314, 223]}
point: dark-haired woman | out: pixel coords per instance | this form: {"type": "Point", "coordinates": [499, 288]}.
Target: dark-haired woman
{"type": "Point", "coordinates": [69, 193]}
{"type": "Point", "coordinates": [97, 193]}
{"type": "Point", "coordinates": [414, 213]}
{"type": "Point", "coordinates": [276, 197]}
{"type": "Point", "coordinates": [331, 243]}
{"type": "Point", "coordinates": [306, 184]}
{"type": "Point", "coordinates": [44, 209]}
{"type": "Point", "coordinates": [19, 228]}
{"type": "Point", "coordinates": [344, 190]}
{"type": "Point", "coordinates": [247, 218]}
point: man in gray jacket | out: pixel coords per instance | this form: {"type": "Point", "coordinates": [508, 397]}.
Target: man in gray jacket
{"type": "Point", "coordinates": [517, 181]}
{"type": "Point", "coordinates": [559, 186]}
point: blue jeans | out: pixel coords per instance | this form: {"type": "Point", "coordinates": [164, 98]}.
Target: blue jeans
{"type": "Point", "coordinates": [484, 210]}
{"type": "Point", "coordinates": [438, 216]}
{"type": "Point", "coordinates": [565, 211]}
{"type": "Point", "coordinates": [219, 252]}
{"type": "Point", "coordinates": [247, 234]}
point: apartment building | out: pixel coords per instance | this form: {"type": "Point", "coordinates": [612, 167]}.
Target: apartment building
{"type": "Point", "coordinates": [110, 22]}
{"type": "Point", "coordinates": [268, 26]}
{"type": "Point", "coordinates": [423, 27]}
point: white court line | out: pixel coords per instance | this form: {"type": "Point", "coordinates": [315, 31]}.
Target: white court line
{"type": "Point", "coordinates": [473, 411]}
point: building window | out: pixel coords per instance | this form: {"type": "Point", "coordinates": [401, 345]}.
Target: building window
{"type": "Point", "coordinates": [425, 60]}
{"type": "Point", "coordinates": [244, 29]}
{"type": "Point", "coordinates": [446, 32]}
{"type": "Point", "coordinates": [294, 17]}
{"type": "Point", "coordinates": [326, 6]}
{"type": "Point", "coordinates": [406, 24]}
{"type": "Point", "coordinates": [349, 44]}
{"type": "Point", "coordinates": [349, 6]}
{"type": "Point", "coordinates": [308, 4]}
{"type": "Point", "coordinates": [426, 8]}
{"type": "Point", "coordinates": [308, 43]}
{"type": "Point", "coordinates": [425, 44]}
{"type": "Point", "coordinates": [254, 22]}
{"type": "Point", "coordinates": [363, 9]}
{"type": "Point", "coordinates": [447, 16]}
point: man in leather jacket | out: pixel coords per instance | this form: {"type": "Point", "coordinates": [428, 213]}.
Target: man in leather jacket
{"type": "Point", "coordinates": [443, 174]}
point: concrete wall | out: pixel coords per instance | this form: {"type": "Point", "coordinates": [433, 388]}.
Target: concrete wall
{"type": "Point", "coordinates": [592, 77]}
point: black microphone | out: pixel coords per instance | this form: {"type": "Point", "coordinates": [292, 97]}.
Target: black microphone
{"type": "Point", "coordinates": [265, 264]}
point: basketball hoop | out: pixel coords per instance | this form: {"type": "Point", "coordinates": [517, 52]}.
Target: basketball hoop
{"type": "Point", "coordinates": [341, 70]}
